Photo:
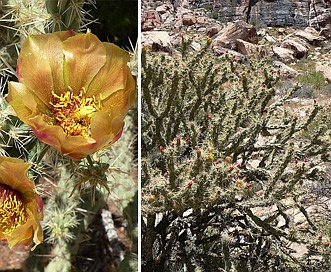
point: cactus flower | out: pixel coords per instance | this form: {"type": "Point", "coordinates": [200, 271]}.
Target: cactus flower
{"type": "Point", "coordinates": [73, 91]}
{"type": "Point", "coordinates": [20, 206]}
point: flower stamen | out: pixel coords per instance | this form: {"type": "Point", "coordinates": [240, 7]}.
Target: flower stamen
{"type": "Point", "coordinates": [73, 112]}
{"type": "Point", "coordinates": [12, 210]}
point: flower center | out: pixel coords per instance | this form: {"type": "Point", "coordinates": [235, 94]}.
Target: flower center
{"type": "Point", "coordinates": [12, 210]}
{"type": "Point", "coordinates": [73, 112]}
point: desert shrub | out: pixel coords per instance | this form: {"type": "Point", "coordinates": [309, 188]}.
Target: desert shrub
{"type": "Point", "coordinates": [224, 164]}
{"type": "Point", "coordinates": [312, 78]}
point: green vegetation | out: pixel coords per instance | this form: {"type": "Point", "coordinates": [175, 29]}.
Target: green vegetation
{"type": "Point", "coordinates": [313, 78]}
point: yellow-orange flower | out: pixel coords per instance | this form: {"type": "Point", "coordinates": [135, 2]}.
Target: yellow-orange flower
{"type": "Point", "coordinates": [20, 206]}
{"type": "Point", "coordinates": [74, 91]}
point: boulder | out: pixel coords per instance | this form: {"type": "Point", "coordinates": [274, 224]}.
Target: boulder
{"type": "Point", "coordinates": [325, 69]}
{"type": "Point", "coordinates": [150, 20]}
{"type": "Point", "coordinates": [201, 20]}
{"type": "Point", "coordinates": [298, 48]}
{"type": "Point", "coordinates": [229, 35]}
{"type": "Point", "coordinates": [282, 31]}
{"type": "Point", "coordinates": [157, 40]}
{"type": "Point", "coordinates": [168, 20]}
{"type": "Point", "coordinates": [310, 35]}
{"type": "Point", "coordinates": [213, 30]}
{"type": "Point", "coordinates": [249, 49]}
{"type": "Point", "coordinates": [283, 53]}
{"type": "Point", "coordinates": [285, 71]}
{"type": "Point", "coordinates": [189, 19]}
{"type": "Point", "coordinates": [218, 50]}
{"type": "Point", "coordinates": [265, 35]}
{"type": "Point", "coordinates": [164, 8]}
{"type": "Point", "coordinates": [195, 46]}
{"type": "Point", "coordinates": [326, 32]}
{"type": "Point", "coordinates": [176, 39]}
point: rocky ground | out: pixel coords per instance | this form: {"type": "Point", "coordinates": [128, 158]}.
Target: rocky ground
{"type": "Point", "coordinates": [164, 23]}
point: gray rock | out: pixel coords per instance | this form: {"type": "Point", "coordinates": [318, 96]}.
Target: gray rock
{"type": "Point", "coordinates": [218, 50]}
{"type": "Point", "coordinates": [164, 8]}
{"type": "Point", "coordinates": [326, 32]}
{"type": "Point", "coordinates": [280, 13]}
{"type": "Point", "coordinates": [285, 70]}
{"type": "Point", "coordinates": [195, 46]}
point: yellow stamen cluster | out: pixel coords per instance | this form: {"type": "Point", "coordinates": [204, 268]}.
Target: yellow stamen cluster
{"type": "Point", "coordinates": [73, 112]}
{"type": "Point", "coordinates": [12, 214]}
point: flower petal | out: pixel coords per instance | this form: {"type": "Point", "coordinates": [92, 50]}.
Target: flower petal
{"type": "Point", "coordinates": [26, 107]}
{"type": "Point", "coordinates": [49, 134]}
{"type": "Point", "coordinates": [105, 126]}
{"type": "Point", "coordinates": [13, 172]}
{"type": "Point", "coordinates": [25, 103]}
{"type": "Point", "coordinates": [123, 98]}
{"type": "Point", "coordinates": [40, 64]}
{"type": "Point", "coordinates": [84, 57]}
{"type": "Point", "coordinates": [25, 234]}
{"type": "Point", "coordinates": [113, 75]}
{"type": "Point", "coordinates": [75, 147]}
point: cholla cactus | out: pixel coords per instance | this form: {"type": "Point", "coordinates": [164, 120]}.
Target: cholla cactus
{"type": "Point", "coordinates": [69, 215]}
{"type": "Point", "coordinates": [67, 14]}
{"type": "Point", "coordinates": [21, 18]}
{"type": "Point", "coordinates": [219, 150]}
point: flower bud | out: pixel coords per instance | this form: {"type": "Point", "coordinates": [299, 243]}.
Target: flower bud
{"type": "Point", "coordinates": [198, 151]}
{"type": "Point", "coordinates": [178, 141]}
{"type": "Point", "coordinates": [228, 159]}
{"type": "Point", "coordinates": [151, 199]}
{"type": "Point", "coordinates": [210, 157]}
